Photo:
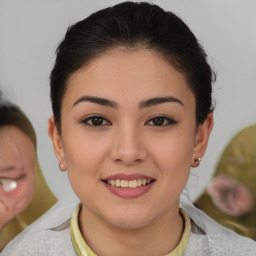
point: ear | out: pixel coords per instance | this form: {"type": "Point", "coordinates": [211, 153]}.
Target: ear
{"type": "Point", "coordinates": [56, 142]}
{"type": "Point", "coordinates": [201, 139]}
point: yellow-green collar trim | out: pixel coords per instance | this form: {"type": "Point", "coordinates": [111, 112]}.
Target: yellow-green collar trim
{"type": "Point", "coordinates": [180, 248]}
{"type": "Point", "coordinates": [82, 249]}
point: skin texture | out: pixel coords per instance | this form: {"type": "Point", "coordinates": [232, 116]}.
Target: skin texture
{"type": "Point", "coordinates": [128, 142]}
{"type": "Point", "coordinates": [17, 160]}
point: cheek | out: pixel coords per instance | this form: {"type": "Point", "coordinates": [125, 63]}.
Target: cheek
{"type": "Point", "coordinates": [172, 156]}
{"type": "Point", "coordinates": [172, 151]}
{"type": "Point", "coordinates": [83, 165]}
{"type": "Point", "coordinates": [28, 158]}
{"type": "Point", "coordinates": [28, 189]}
{"type": "Point", "coordinates": [30, 169]}
{"type": "Point", "coordinates": [19, 199]}
{"type": "Point", "coordinates": [82, 155]}
{"type": "Point", "coordinates": [31, 182]}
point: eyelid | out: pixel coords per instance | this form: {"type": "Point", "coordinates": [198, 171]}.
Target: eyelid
{"type": "Point", "coordinates": [168, 118]}
{"type": "Point", "coordinates": [91, 116]}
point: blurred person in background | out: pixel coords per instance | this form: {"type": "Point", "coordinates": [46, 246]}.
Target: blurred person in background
{"type": "Point", "coordinates": [231, 195]}
{"type": "Point", "coordinates": [24, 193]}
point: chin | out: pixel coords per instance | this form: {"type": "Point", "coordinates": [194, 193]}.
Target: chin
{"type": "Point", "coordinates": [129, 219]}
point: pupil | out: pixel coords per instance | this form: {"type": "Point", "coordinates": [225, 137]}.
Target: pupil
{"type": "Point", "coordinates": [158, 121]}
{"type": "Point", "coordinates": [97, 121]}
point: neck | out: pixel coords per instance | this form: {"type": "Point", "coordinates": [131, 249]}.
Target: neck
{"type": "Point", "coordinates": [159, 237]}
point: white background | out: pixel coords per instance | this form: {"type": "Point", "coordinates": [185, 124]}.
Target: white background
{"type": "Point", "coordinates": [30, 31]}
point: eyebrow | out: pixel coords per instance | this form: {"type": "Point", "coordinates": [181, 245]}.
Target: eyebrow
{"type": "Point", "coordinates": [159, 100]}
{"type": "Point", "coordinates": [97, 100]}
{"type": "Point", "coordinates": [144, 104]}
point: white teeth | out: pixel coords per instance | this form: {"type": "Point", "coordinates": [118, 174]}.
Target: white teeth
{"type": "Point", "coordinates": [8, 184]}
{"type": "Point", "coordinates": [139, 183]}
{"type": "Point", "coordinates": [118, 183]}
{"type": "Point", "coordinates": [128, 184]}
{"type": "Point", "coordinates": [124, 183]}
{"type": "Point", "coordinates": [132, 183]}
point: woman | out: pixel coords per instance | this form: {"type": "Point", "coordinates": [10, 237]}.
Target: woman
{"type": "Point", "coordinates": [24, 194]}
{"type": "Point", "coordinates": [131, 97]}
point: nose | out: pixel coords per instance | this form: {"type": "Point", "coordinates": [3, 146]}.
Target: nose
{"type": "Point", "coordinates": [128, 147]}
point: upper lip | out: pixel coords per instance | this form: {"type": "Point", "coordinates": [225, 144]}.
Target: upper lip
{"type": "Point", "coordinates": [14, 177]}
{"type": "Point", "coordinates": [123, 176]}
{"type": "Point", "coordinates": [12, 172]}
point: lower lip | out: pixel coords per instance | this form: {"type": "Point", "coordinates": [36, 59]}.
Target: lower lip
{"type": "Point", "coordinates": [129, 192]}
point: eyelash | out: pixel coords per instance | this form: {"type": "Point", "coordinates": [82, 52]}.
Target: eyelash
{"type": "Point", "coordinates": [164, 121]}
{"type": "Point", "coordinates": [89, 121]}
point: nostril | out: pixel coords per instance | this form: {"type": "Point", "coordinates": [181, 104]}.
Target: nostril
{"type": "Point", "coordinates": [127, 149]}
{"type": "Point", "coordinates": [127, 161]}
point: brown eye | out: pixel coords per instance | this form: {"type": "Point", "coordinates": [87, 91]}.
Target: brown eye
{"type": "Point", "coordinates": [96, 121]}
{"type": "Point", "coordinates": [158, 121]}
{"type": "Point", "coordinates": [161, 121]}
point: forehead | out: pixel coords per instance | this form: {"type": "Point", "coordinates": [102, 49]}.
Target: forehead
{"type": "Point", "coordinates": [16, 149]}
{"type": "Point", "coordinates": [9, 147]}
{"type": "Point", "coordinates": [12, 138]}
{"type": "Point", "coordinates": [130, 74]}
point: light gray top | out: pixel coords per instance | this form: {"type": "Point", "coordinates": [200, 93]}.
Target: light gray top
{"type": "Point", "coordinates": [50, 235]}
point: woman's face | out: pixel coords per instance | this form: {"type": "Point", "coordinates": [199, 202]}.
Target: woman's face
{"type": "Point", "coordinates": [128, 137]}
{"type": "Point", "coordinates": [17, 163]}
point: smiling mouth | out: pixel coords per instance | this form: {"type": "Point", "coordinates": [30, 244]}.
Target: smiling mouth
{"type": "Point", "coordinates": [128, 183]}
{"type": "Point", "coordinates": [8, 184]}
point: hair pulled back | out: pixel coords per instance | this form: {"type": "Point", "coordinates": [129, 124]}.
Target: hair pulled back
{"type": "Point", "coordinates": [133, 25]}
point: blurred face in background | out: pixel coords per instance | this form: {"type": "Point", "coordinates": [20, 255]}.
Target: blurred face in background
{"type": "Point", "coordinates": [17, 172]}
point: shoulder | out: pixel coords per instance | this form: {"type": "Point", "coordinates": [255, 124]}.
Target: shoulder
{"type": "Point", "coordinates": [49, 235]}
{"type": "Point", "coordinates": [210, 238]}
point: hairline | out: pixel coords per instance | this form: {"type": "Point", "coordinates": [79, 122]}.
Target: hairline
{"type": "Point", "coordinates": [140, 45]}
